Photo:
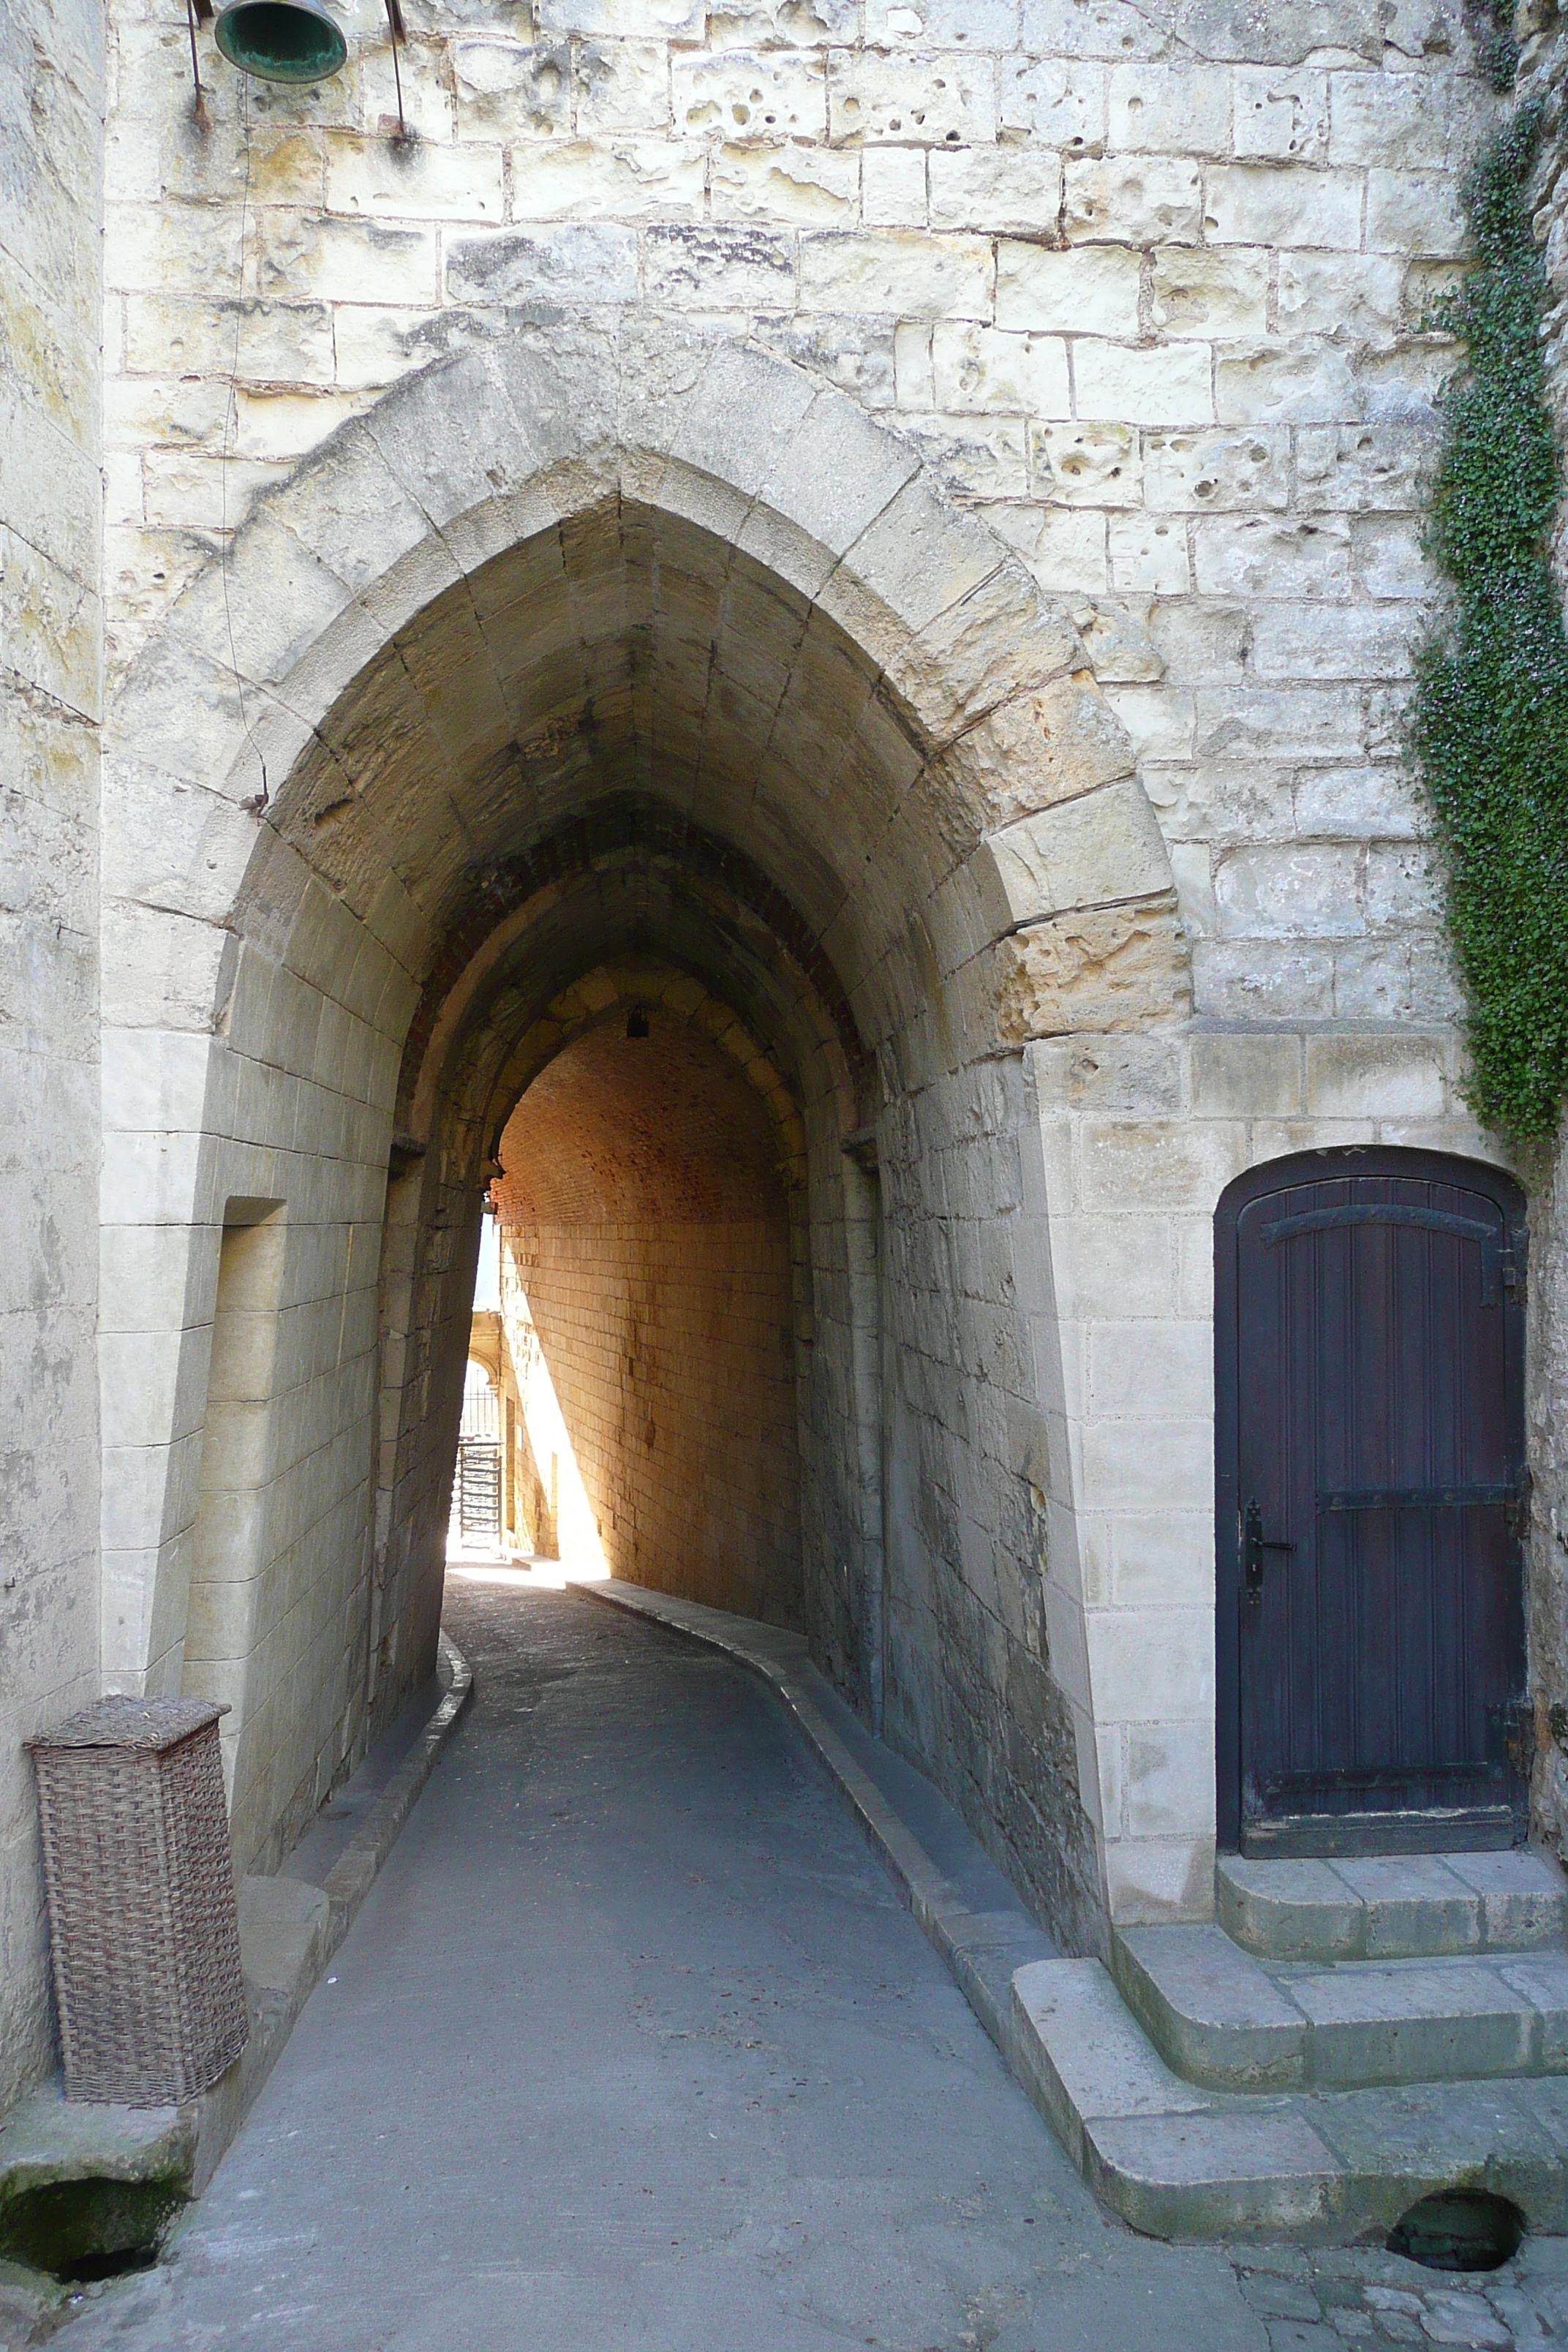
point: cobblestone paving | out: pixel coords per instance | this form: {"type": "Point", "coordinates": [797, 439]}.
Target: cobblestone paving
{"type": "Point", "coordinates": [1322, 2300]}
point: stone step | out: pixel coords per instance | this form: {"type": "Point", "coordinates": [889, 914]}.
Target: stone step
{"type": "Point", "coordinates": [1229, 2022]}
{"type": "Point", "coordinates": [1393, 1906]}
{"type": "Point", "coordinates": [1178, 2161]}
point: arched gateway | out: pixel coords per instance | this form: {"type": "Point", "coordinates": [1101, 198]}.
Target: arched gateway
{"type": "Point", "coordinates": [629, 659]}
{"type": "Point", "coordinates": [566, 653]}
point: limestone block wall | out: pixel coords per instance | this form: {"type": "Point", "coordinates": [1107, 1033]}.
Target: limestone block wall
{"type": "Point", "coordinates": [289, 1104]}
{"type": "Point", "coordinates": [669, 1348]}
{"type": "Point", "coordinates": [645, 1277]}
{"type": "Point", "coordinates": [1141, 290]}
{"type": "Point", "coordinates": [51, 100]}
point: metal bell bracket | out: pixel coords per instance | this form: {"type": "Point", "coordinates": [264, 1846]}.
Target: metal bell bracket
{"type": "Point", "coordinates": [308, 44]}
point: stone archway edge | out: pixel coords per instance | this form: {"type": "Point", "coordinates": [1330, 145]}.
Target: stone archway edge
{"type": "Point", "coordinates": [289, 1930]}
{"type": "Point", "coordinates": [482, 450]}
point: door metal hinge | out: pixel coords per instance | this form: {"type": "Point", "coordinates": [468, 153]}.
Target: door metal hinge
{"type": "Point", "coordinates": [1516, 1515]}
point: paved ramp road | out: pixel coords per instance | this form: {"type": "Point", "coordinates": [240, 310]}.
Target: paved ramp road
{"type": "Point", "coordinates": [633, 2048]}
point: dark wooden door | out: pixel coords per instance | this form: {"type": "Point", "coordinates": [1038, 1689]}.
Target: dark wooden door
{"type": "Point", "coordinates": [1370, 1411]}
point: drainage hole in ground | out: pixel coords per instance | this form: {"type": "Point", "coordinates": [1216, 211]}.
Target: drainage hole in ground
{"type": "Point", "coordinates": [1459, 2230]}
{"type": "Point", "coordinates": [81, 2230]}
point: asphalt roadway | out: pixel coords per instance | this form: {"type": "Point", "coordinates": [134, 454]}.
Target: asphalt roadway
{"type": "Point", "coordinates": [634, 2048]}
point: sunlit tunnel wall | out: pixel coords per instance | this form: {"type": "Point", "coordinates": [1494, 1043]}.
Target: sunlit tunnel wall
{"type": "Point", "coordinates": [647, 1302]}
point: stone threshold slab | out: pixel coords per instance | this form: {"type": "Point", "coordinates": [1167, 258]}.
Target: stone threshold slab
{"type": "Point", "coordinates": [1313, 2167]}
{"type": "Point", "coordinates": [1393, 1906]}
{"type": "Point", "coordinates": [289, 1927]}
{"type": "Point", "coordinates": [1233, 2023]}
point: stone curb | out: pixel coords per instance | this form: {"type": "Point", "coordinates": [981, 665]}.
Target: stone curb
{"type": "Point", "coordinates": [983, 1950]}
{"type": "Point", "coordinates": [289, 1931]}
{"type": "Point", "coordinates": [1171, 2159]}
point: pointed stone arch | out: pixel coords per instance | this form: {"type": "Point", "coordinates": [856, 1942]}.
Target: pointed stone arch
{"type": "Point", "coordinates": [295, 828]}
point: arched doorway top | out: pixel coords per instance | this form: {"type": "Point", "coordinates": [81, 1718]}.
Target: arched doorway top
{"type": "Point", "coordinates": [974, 695]}
{"type": "Point", "coordinates": [516, 436]}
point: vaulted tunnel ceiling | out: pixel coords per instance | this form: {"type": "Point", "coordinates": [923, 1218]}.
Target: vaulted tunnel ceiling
{"type": "Point", "coordinates": [627, 651]}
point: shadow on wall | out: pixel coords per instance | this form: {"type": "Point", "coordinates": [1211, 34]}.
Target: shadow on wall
{"type": "Point", "coordinates": [647, 1312]}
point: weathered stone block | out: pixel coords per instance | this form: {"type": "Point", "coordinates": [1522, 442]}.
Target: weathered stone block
{"type": "Point", "coordinates": [1260, 556]}
{"type": "Point", "coordinates": [914, 277]}
{"type": "Point", "coordinates": [1171, 110]}
{"type": "Point", "coordinates": [1344, 294]}
{"type": "Point", "coordinates": [1091, 465]}
{"type": "Point", "coordinates": [503, 86]}
{"type": "Point", "coordinates": [1158, 718]}
{"type": "Point", "coordinates": [1247, 1077]}
{"type": "Point", "coordinates": [1108, 969]}
{"type": "Point", "coordinates": [1255, 203]}
{"type": "Point", "coordinates": [1376, 1078]}
{"type": "Point", "coordinates": [1077, 292]}
{"type": "Point", "coordinates": [1283, 117]}
{"type": "Point", "coordinates": [893, 187]}
{"type": "Point", "coordinates": [1210, 294]}
{"type": "Point", "coordinates": [715, 268]}
{"type": "Point", "coordinates": [1005, 191]}
{"type": "Point", "coordinates": [376, 180]}
{"type": "Point", "coordinates": [1170, 387]}
{"type": "Point", "coordinates": [1389, 120]}
{"type": "Point", "coordinates": [1138, 200]}
{"type": "Point", "coordinates": [592, 260]}
{"type": "Point", "coordinates": [813, 186]}
{"type": "Point", "coordinates": [670, 19]}
{"type": "Point", "coordinates": [620, 85]}
{"type": "Point", "coordinates": [976, 367]}
{"type": "Point", "coordinates": [745, 95]}
{"type": "Point", "coordinates": [1149, 554]}
{"type": "Point", "coordinates": [1063, 105]}
{"type": "Point", "coordinates": [1212, 472]}
{"type": "Point", "coordinates": [1413, 213]}
{"type": "Point", "coordinates": [627, 177]}
{"type": "Point", "coordinates": [916, 98]}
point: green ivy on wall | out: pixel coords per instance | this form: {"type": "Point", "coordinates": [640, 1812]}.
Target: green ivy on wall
{"type": "Point", "coordinates": [1489, 720]}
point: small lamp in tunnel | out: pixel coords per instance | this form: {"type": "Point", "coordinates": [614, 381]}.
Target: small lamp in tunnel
{"type": "Point", "coordinates": [637, 1021]}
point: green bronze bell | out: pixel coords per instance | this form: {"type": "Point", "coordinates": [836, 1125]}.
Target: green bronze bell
{"type": "Point", "coordinates": [280, 40]}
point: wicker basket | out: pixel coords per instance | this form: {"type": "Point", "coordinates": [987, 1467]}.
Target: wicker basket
{"type": "Point", "coordinates": [140, 1882]}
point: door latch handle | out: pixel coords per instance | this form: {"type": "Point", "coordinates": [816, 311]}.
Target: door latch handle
{"type": "Point", "coordinates": [1254, 1544]}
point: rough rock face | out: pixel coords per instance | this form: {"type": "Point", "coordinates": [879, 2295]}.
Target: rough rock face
{"type": "Point", "coordinates": [51, 86]}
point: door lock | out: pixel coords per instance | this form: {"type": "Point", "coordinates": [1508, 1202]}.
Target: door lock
{"type": "Point", "coordinates": [1254, 1544]}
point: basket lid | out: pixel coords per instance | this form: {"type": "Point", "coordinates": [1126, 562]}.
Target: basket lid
{"type": "Point", "coordinates": [148, 1725]}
